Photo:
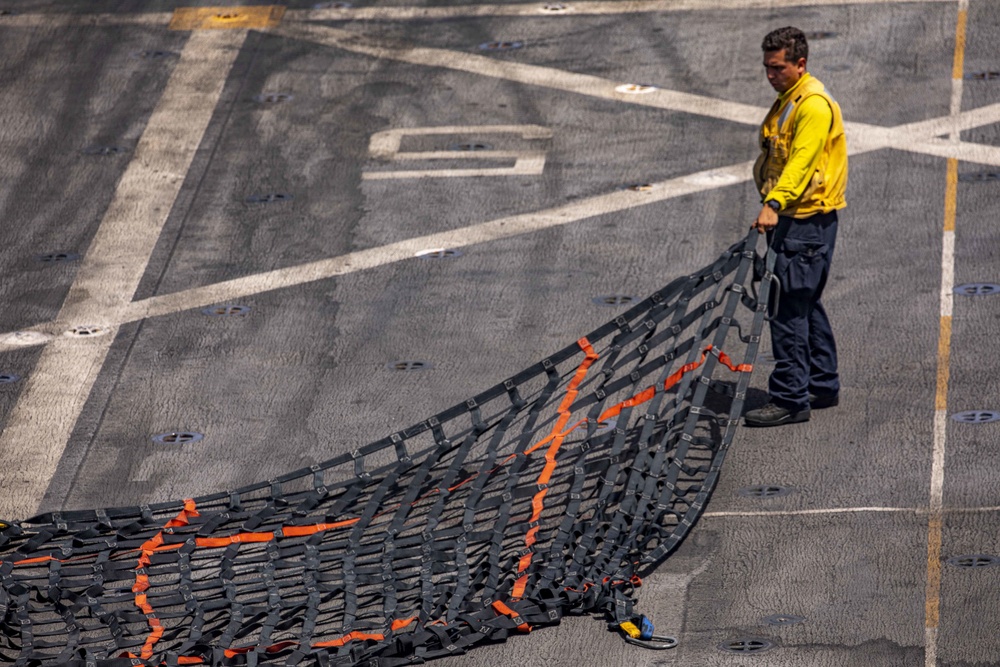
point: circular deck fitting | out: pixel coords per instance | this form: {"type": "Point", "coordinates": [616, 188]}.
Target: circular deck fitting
{"type": "Point", "coordinates": [57, 257]}
{"type": "Point", "coordinates": [979, 176]}
{"type": "Point", "coordinates": [988, 75]}
{"type": "Point", "coordinates": [820, 34]}
{"type": "Point", "coordinates": [438, 253]}
{"type": "Point", "coordinates": [554, 8]}
{"type": "Point", "coordinates": [273, 98]}
{"type": "Point", "coordinates": [976, 416]}
{"type": "Point", "coordinates": [635, 88]}
{"type": "Point", "coordinates": [470, 146]}
{"type": "Point", "coordinates": [228, 310]}
{"type": "Point", "coordinates": [974, 560]}
{"type": "Point", "coordinates": [178, 438]}
{"type": "Point", "coordinates": [978, 289]}
{"type": "Point", "coordinates": [501, 46]}
{"type": "Point", "coordinates": [269, 198]}
{"type": "Point", "coordinates": [332, 5]}
{"type": "Point", "coordinates": [9, 378]}
{"type": "Point", "coordinates": [764, 491]}
{"type": "Point", "coordinates": [784, 619]}
{"type": "Point", "coordinates": [85, 331]}
{"type": "Point", "coordinates": [25, 338]}
{"type": "Point", "coordinates": [746, 645]}
{"type": "Point", "coordinates": [154, 54]}
{"type": "Point", "coordinates": [104, 150]}
{"type": "Point", "coordinates": [409, 365]}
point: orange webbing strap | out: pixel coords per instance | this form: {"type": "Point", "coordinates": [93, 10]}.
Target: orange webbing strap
{"type": "Point", "coordinates": [348, 638]}
{"type": "Point", "coordinates": [675, 377]}
{"type": "Point", "coordinates": [142, 579]}
{"type": "Point", "coordinates": [557, 436]}
{"type": "Point", "coordinates": [401, 623]}
{"type": "Point", "coordinates": [155, 545]}
{"type": "Point", "coordinates": [507, 611]}
{"type": "Point", "coordinates": [239, 538]}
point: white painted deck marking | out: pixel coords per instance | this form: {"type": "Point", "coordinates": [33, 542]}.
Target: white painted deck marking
{"type": "Point", "coordinates": [920, 136]}
{"type": "Point", "coordinates": [573, 8]}
{"type": "Point", "coordinates": [935, 519]}
{"type": "Point", "coordinates": [919, 511]}
{"type": "Point", "coordinates": [403, 13]}
{"type": "Point", "coordinates": [40, 424]}
{"type": "Point", "coordinates": [385, 145]}
{"type": "Point", "coordinates": [916, 137]}
{"type": "Point", "coordinates": [501, 228]}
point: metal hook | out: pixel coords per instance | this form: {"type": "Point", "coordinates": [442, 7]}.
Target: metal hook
{"type": "Point", "coordinates": [655, 642]}
{"type": "Point", "coordinates": [776, 293]}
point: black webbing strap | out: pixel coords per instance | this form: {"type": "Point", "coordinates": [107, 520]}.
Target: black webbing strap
{"type": "Point", "coordinates": [549, 493]}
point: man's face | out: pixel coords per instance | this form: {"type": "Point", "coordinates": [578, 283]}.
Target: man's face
{"type": "Point", "coordinates": [781, 73]}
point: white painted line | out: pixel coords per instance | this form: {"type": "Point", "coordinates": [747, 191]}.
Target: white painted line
{"type": "Point", "coordinates": [386, 143]}
{"type": "Point", "coordinates": [385, 146]}
{"type": "Point", "coordinates": [922, 511]}
{"type": "Point", "coordinates": [41, 422]}
{"type": "Point", "coordinates": [612, 7]}
{"type": "Point", "coordinates": [484, 232]}
{"type": "Point", "coordinates": [948, 273]}
{"type": "Point", "coordinates": [862, 138]}
{"type": "Point", "coordinates": [866, 137]}
{"type": "Point", "coordinates": [815, 512]}
{"type": "Point", "coordinates": [936, 503]}
{"type": "Point", "coordinates": [56, 20]}
{"type": "Point", "coordinates": [576, 8]}
{"type": "Point", "coordinates": [525, 164]}
{"type": "Point", "coordinates": [501, 228]}
{"type": "Point", "coordinates": [583, 84]}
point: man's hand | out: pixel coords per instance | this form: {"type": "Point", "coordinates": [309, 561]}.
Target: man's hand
{"type": "Point", "coordinates": [767, 219]}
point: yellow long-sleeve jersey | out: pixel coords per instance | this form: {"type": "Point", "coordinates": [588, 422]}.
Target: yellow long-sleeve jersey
{"type": "Point", "coordinates": [803, 160]}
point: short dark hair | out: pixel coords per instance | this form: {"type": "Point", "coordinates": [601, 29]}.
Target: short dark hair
{"type": "Point", "coordinates": [792, 40]}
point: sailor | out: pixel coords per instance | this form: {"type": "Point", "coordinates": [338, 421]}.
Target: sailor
{"type": "Point", "coordinates": [801, 175]}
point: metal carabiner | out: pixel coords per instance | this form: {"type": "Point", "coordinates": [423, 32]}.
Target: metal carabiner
{"type": "Point", "coordinates": [775, 291]}
{"type": "Point", "coordinates": [655, 642]}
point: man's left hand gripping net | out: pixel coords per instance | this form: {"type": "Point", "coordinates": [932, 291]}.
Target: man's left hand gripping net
{"type": "Point", "coordinates": [546, 494]}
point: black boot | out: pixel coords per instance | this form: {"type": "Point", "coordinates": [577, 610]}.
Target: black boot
{"type": "Point", "coordinates": [774, 415]}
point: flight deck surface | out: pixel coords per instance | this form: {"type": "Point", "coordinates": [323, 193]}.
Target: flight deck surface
{"type": "Point", "coordinates": [212, 223]}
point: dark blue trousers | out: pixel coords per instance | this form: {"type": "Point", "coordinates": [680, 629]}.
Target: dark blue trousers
{"type": "Point", "coordinates": [805, 353]}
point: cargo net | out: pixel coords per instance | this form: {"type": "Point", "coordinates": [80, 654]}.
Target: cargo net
{"type": "Point", "coordinates": [547, 494]}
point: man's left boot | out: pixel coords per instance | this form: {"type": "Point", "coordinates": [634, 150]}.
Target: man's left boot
{"type": "Point", "coordinates": [774, 415]}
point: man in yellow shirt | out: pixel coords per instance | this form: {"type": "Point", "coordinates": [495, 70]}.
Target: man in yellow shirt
{"type": "Point", "coordinates": [801, 175]}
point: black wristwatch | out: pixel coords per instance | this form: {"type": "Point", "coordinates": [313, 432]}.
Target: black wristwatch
{"type": "Point", "coordinates": [773, 204]}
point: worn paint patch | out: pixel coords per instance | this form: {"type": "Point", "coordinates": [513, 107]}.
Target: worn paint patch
{"type": "Point", "coordinates": [226, 18]}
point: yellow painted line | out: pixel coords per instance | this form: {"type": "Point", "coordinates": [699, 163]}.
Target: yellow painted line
{"type": "Point", "coordinates": [935, 520]}
{"type": "Point", "coordinates": [932, 610]}
{"type": "Point", "coordinates": [227, 18]}
{"type": "Point", "coordinates": [950, 195]}
{"type": "Point", "coordinates": [944, 358]}
{"type": "Point", "coordinates": [958, 68]}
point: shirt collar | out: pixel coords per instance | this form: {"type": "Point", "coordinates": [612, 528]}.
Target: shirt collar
{"type": "Point", "coordinates": [791, 91]}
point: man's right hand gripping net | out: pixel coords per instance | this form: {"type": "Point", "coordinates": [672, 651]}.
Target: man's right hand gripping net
{"type": "Point", "coordinates": [546, 494]}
